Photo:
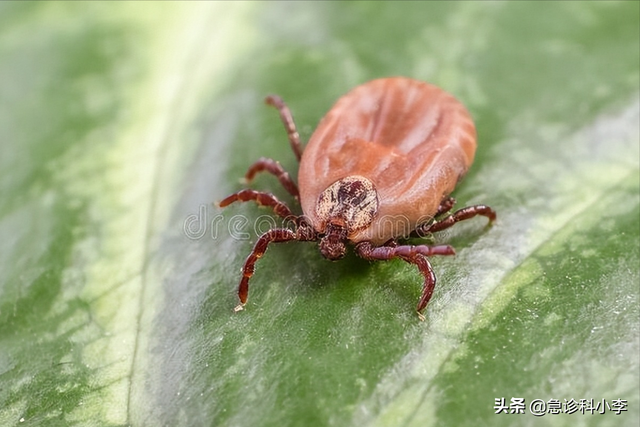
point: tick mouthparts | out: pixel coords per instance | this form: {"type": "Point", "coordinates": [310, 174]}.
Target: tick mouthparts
{"type": "Point", "coordinates": [331, 247]}
{"type": "Point", "coordinates": [332, 243]}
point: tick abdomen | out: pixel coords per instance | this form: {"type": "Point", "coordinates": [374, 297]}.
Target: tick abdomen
{"type": "Point", "coordinates": [410, 139]}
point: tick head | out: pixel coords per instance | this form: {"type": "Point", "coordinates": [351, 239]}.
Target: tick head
{"type": "Point", "coordinates": [346, 206]}
{"type": "Point", "coordinates": [332, 245]}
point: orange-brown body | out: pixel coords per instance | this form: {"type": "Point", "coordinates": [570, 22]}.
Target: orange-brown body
{"type": "Point", "coordinates": [411, 139]}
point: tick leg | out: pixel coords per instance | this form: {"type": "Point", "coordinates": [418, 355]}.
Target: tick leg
{"type": "Point", "coordinates": [445, 205]}
{"type": "Point", "coordinates": [460, 215]}
{"type": "Point", "coordinates": [366, 250]}
{"type": "Point", "coordinates": [429, 285]}
{"type": "Point", "coordinates": [412, 254]}
{"type": "Point", "coordinates": [275, 235]}
{"type": "Point", "coordinates": [273, 167]}
{"type": "Point", "coordinates": [289, 124]}
{"type": "Point", "coordinates": [261, 198]}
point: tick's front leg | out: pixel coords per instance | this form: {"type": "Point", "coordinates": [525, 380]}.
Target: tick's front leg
{"type": "Point", "coordinates": [412, 254]}
{"type": "Point", "coordinates": [277, 235]}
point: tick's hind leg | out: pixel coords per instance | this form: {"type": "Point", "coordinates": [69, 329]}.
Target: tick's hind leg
{"type": "Point", "coordinates": [412, 254]}
{"type": "Point", "coordinates": [289, 124]}
{"type": "Point", "coordinates": [273, 167]}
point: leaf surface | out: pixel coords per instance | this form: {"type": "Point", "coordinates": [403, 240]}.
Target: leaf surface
{"type": "Point", "coordinates": [121, 123]}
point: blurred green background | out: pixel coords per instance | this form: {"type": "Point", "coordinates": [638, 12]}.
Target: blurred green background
{"type": "Point", "coordinates": [121, 123]}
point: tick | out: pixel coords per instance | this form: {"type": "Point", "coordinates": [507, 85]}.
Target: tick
{"type": "Point", "coordinates": [378, 170]}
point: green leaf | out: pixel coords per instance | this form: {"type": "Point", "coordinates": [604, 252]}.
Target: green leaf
{"type": "Point", "coordinates": [121, 123]}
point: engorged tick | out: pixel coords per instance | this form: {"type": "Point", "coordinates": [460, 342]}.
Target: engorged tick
{"type": "Point", "coordinates": [379, 168]}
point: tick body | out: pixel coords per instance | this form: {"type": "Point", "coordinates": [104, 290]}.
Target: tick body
{"type": "Point", "coordinates": [378, 169]}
